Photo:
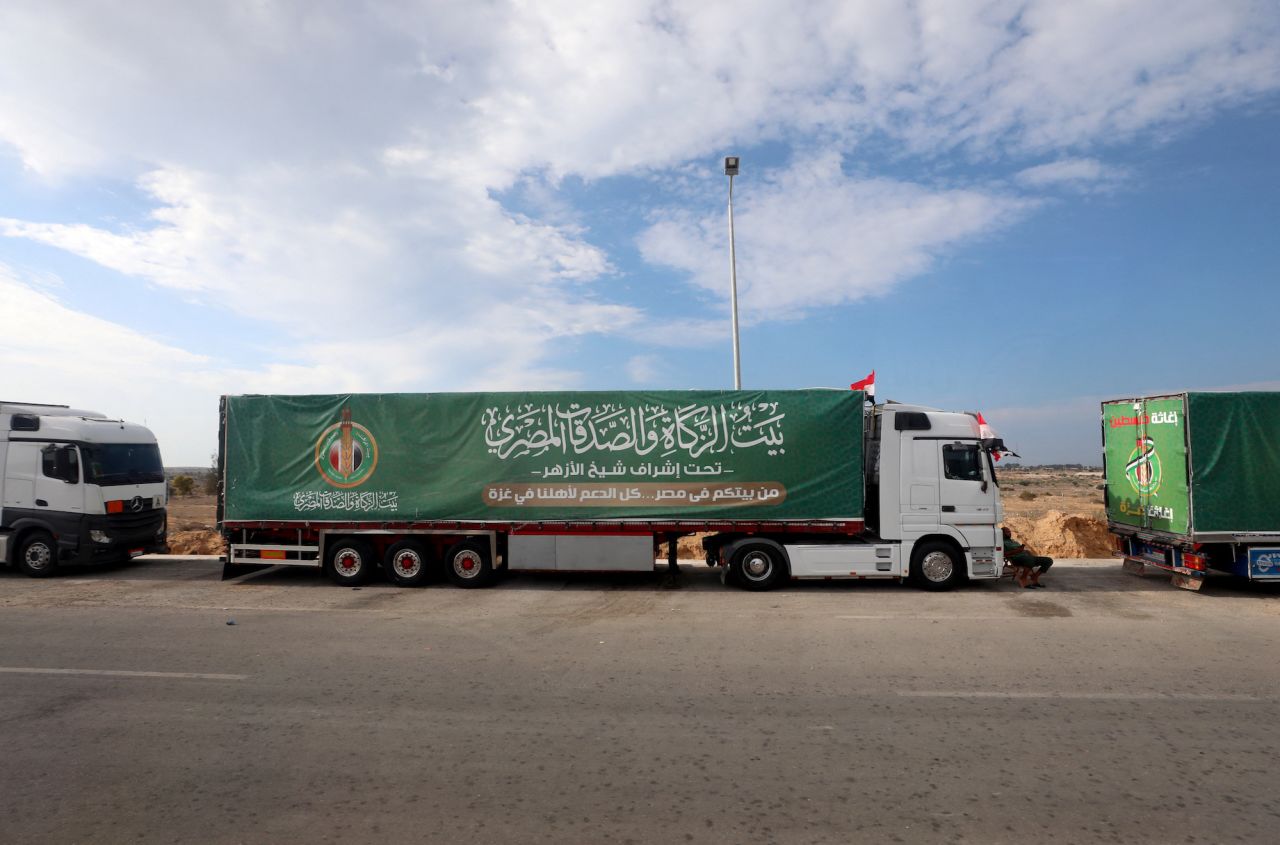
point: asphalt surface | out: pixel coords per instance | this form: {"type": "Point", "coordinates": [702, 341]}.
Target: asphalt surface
{"type": "Point", "coordinates": [605, 709]}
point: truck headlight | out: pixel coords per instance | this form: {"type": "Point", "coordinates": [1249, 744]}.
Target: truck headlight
{"type": "Point", "coordinates": [99, 536]}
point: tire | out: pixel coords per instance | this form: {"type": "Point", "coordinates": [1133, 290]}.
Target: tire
{"type": "Point", "coordinates": [757, 567]}
{"type": "Point", "coordinates": [408, 563]}
{"type": "Point", "coordinates": [38, 555]}
{"type": "Point", "coordinates": [349, 563]}
{"type": "Point", "coordinates": [937, 566]}
{"type": "Point", "coordinates": [468, 564]}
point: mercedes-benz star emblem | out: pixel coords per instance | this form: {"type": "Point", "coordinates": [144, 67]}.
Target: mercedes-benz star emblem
{"type": "Point", "coordinates": [135, 504]}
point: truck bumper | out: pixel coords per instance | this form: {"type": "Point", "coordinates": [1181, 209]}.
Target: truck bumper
{"type": "Point", "coordinates": [111, 552]}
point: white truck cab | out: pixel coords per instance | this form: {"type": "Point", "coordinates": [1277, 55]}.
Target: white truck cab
{"type": "Point", "coordinates": [933, 511]}
{"type": "Point", "coordinates": [77, 487]}
{"type": "Point", "coordinates": [934, 483]}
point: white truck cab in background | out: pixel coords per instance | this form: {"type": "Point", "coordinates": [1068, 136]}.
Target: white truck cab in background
{"type": "Point", "coordinates": [77, 487]}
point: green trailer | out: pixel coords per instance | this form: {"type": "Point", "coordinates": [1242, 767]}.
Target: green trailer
{"type": "Point", "coordinates": [779, 484]}
{"type": "Point", "coordinates": [1193, 483]}
{"type": "Point", "coordinates": [560, 480]}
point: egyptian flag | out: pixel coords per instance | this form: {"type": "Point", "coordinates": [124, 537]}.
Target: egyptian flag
{"type": "Point", "coordinates": [986, 432]}
{"type": "Point", "coordinates": [868, 385]}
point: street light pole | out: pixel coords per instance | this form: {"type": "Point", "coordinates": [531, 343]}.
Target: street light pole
{"type": "Point", "coordinates": [731, 170]}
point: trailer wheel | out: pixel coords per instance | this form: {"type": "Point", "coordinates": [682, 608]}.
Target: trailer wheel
{"type": "Point", "coordinates": [936, 566]}
{"type": "Point", "coordinates": [757, 567]}
{"type": "Point", "coordinates": [408, 563]}
{"type": "Point", "coordinates": [349, 563]}
{"type": "Point", "coordinates": [468, 564]}
{"type": "Point", "coordinates": [38, 555]}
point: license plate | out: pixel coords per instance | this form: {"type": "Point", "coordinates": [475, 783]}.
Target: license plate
{"type": "Point", "coordinates": [135, 552]}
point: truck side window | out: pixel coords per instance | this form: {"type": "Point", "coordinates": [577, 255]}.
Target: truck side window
{"type": "Point", "coordinates": [62, 463]}
{"type": "Point", "coordinates": [49, 461]}
{"type": "Point", "coordinates": [962, 462]}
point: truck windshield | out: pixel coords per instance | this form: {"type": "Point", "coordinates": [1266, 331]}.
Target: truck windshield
{"type": "Point", "coordinates": [108, 464]}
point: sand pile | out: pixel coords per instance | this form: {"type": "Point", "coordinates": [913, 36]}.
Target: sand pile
{"type": "Point", "coordinates": [196, 542]}
{"type": "Point", "coordinates": [1062, 535]}
{"type": "Point", "coordinates": [687, 548]}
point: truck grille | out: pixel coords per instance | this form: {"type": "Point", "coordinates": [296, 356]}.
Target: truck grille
{"type": "Point", "coordinates": [134, 527]}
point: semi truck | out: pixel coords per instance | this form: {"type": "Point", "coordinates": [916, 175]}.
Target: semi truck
{"type": "Point", "coordinates": [77, 487]}
{"type": "Point", "coordinates": [1193, 484]}
{"type": "Point", "coordinates": [783, 484]}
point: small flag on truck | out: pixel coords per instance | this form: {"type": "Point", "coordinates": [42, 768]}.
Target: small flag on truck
{"type": "Point", "coordinates": [993, 441]}
{"type": "Point", "coordinates": [867, 385]}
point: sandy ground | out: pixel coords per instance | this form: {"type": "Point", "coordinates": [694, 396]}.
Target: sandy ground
{"type": "Point", "coordinates": [1056, 512]}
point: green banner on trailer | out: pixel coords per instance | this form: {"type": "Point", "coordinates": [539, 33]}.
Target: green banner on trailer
{"type": "Point", "coordinates": [680, 455]}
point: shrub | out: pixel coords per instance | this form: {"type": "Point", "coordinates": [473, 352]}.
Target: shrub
{"type": "Point", "coordinates": [1026, 495]}
{"type": "Point", "coordinates": [182, 485]}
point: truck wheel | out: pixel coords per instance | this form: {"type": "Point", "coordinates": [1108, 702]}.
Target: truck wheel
{"type": "Point", "coordinates": [349, 563]}
{"type": "Point", "coordinates": [408, 563]}
{"type": "Point", "coordinates": [936, 566]}
{"type": "Point", "coordinates": [468, 564]}
{"type": "Point", "coordinates": [38, 555]}
{"type": "Point", "coordinates": [757, 567]}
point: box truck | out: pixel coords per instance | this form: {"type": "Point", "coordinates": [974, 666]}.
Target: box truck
{"type": "Point", "coordinates": [76, 487]}
{"type": "Point", "coordinates": [1193, 484]}
{"type": "Point", "coordinates": [784, 484]}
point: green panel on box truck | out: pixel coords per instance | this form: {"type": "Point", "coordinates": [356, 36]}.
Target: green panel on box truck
{"type": "Point", "coordinates": [753, 455]}
{"type": "Point", "coordinates": [1194, 462]}
{"type": "Point", "coordinates": [1146, 463]}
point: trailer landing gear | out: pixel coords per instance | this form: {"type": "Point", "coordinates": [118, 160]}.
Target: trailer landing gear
{"type": "Point", "coordinates": [671, 581]}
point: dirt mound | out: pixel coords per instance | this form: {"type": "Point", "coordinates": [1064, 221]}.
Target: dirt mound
{"type": "Point", "coordinates": [687, 548]}
{"type": "Point", "coordinates": [197, 542]}
{"type": "Point", "coordinates": [1058, 534]}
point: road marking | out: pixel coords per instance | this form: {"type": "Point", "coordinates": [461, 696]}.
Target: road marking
{"type": "Point", "coordinates": [120, 673]}
{"type": "Point", "coordinates": [1094, 696]}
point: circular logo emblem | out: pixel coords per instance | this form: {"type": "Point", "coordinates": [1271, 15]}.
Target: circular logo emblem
{"type": "Point", "coordinates": [346, 453]}
{"type": "Point", "coordinates": [1264, 563]}
{"type": "Point", "coordinates": [1143, 468]}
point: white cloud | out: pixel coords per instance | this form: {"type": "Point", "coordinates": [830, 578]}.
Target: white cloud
{"type": "Point", "coordinates": [1080, 174]}
{"type": "Point", "coordinates": [486, 92]}
{"type": "Point", "coordinates": [812, 236]}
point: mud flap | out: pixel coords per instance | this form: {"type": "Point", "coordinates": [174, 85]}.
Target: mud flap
{"type": "Point", "coordinates": [1188, 582]}
{"type": "Point", "coordinates": [1134, 567]}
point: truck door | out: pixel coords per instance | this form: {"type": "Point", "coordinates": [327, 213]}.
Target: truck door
{"type": "Point", "coordinates": [966, 493]}
{"type": "Point", "coordinates": [919, 491]}
{"type": "Point", "coordinates": [57, 481]}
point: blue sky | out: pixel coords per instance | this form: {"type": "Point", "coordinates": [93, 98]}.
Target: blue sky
{"type": "Point", "coordinates": [1014, 207]}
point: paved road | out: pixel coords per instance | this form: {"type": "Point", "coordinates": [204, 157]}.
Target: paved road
{"type": "Point", "coordinates": [1107, 708]}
